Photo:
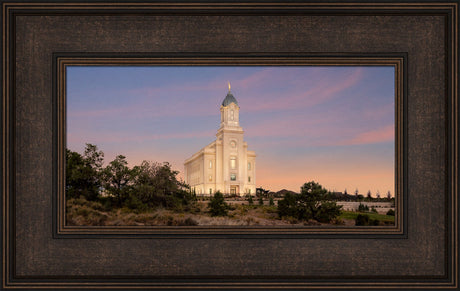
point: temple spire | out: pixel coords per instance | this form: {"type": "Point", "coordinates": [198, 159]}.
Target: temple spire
{"type": "Point", "coordinates": [229, 86]}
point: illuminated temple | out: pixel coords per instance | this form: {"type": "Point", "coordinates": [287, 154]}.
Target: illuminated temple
{"type": "Point", "coordinates": [226, 164]}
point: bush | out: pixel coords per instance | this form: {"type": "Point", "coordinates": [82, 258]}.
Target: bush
{"type": "Point", "coordinates": [374, 222]}
{"type": "Point", "coordinates": [373, 210]}
{"type": "Point", "coordinates": [362, 219]}
{"type": "Point", "coordinates": [217, 205]}
{"type": "Point", "coordinates": [190, 222]}
{"type": "Point", "coordinates": [291, 220]}
{"type": "Point", "coordinates": [287, 206]}
{"type": "Point", "coordinates": [391, 212]}
{"type": "Point", "coordinates": [250, 201]}
{"type": "Point", "coordinates": [311, 203]}
{"type": "Point", "coordinates": [261, 201]}
{"type": "Point", "coordinates": [271, 202]}
{"type": "Point", "coordinates": [363, 208]}
{"type": "Point", "coordinates": [135, 204]}
{"type": "Point", "coordinates": [338, 221]}
{"type": "Point", "coordinates": [107, 203]}
{"type": "Point", "coordinates": [327, 211]}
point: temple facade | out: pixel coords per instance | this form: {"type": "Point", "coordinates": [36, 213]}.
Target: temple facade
{"type": "Point", "coordinates": [226, 164]}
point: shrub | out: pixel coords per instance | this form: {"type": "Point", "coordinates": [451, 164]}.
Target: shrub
{"type": "Point", "coordinates": [190, 222]}
{"type": "Point", "coordinates": [134, 203]}
{"type": "Point", "coordinates": [250, 201]}
{"type": "Point", "coordinates": [391, 212]}
{"type": "Point", "coordinates": [374, 222]}
{"type": "Point", "coordinates": [261, 201]}
{"type": "Point", "coordinates": [363, 208]}
{"type": "Point", "coordinates": [271, 202]}
{"type": "Point", "coordinates": [311, 203]}
{"type": "Point", "coordinates": [373, 210]}
{"type": "Point", "coordinates": [107, 203]}
{"type": "Point", "coordinates": [287, 206]}
{"type": "Point", "coordinates": [291, 220]}
{"type": "Point", "coordinates": [83, 211]}
{"type": "Point", "coordinates": [338, 221]}
{"type": "Point", "coordinates": [362, 219]}
{"type": "Point", "coordinates": [217, 205]}
{"type": "Point", "coordinates": [327, 211]}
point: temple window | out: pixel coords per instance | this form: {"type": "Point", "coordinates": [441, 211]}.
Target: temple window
{"type": "Point", "coordinates": [233, 163]}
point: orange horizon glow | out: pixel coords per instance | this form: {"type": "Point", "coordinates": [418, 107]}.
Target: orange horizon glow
{"type": "Point", "coordinates": [331, 125]}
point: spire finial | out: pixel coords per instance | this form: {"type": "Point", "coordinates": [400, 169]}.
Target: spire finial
{"type": "Point", "coordinates": [229, 86]}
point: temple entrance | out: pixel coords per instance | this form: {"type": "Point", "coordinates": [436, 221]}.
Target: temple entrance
{"type": "Point", "coordinates": [233, 190]}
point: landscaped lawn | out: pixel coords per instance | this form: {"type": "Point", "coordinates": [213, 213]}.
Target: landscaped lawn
{"type": "Point", "coordinates": [353, 215]}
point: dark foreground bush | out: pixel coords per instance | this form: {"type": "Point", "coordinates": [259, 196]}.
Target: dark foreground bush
{"type": "Point", "coordinates": [391, 212]}
{"type": "Point", "coordinates": [364, 220]}
{"type": "Point", "coordinates": [311, 203]}
{"type": "Point", "coordinates": [218, 206]}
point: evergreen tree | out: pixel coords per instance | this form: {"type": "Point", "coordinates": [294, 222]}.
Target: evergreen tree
{"type": "Point", "coordinates": [83, 173]}
{"type": "Point", "coordinates": [250, 201]}
{"type": "Point", "coordinates": [217, 205]}
{"type": "Point", "coordinates": [261, 201]}
{"type": "Point", "coordinates": [117, 178]}
{"type": "Point", "coordinates": [311, 203]}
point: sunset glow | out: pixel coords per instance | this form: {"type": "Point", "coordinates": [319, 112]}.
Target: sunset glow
{"type": "Point", "coordinates": [333, 125]}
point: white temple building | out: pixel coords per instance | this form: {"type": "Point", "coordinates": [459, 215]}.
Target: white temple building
{"type": "Point", "coordinates": [226, 164]}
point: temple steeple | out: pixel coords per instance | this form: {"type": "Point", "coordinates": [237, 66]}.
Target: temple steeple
{"type": "Point", "coordinates": [226, 164]}
{"type": "Point", "coordinates": [229, 111]}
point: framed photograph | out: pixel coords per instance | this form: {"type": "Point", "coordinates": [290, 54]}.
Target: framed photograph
{"type": "Point", "coordinates": [230, 145]}
{"type": "Point", "coordinates": [130, 190]}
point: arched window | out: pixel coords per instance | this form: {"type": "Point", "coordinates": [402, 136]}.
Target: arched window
{"type": "Point", "coordinates": [249, 166]}
{"type": "Point", "coordinates": [232, 115]}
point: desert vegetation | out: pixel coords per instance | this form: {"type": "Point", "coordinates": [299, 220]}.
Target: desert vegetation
{"type": "Point", "coordinates": [151, 194]}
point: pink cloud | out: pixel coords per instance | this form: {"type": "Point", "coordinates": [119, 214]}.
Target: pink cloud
{"type": "Point", "coordinates": [321, 91]}
{"type": "Point", "coordinates": [383, 134]}
{"type": "Point", "coordinates": [379, 112]}
{"type": "Point", "coordinates": [255, 80]}
{"type": "Point", "coordinates": [96, 113]}
{"type": "Point", "coordinates": [98, 137]}
{"type": "Point", "coordinates": [148, 102]}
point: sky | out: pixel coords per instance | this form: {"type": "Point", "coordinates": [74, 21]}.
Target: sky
{"type": "Point", "coordinates": [330, 124]}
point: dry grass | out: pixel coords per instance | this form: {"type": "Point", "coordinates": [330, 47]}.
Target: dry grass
{"type": "Point", "coordinates": [82, 212]}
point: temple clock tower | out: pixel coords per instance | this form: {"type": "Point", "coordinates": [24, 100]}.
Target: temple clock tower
{"type": "Point", "coordinates": [226, 164]}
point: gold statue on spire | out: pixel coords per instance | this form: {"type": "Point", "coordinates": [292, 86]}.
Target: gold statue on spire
{"type": "Point", "coordinates": [229, 86]}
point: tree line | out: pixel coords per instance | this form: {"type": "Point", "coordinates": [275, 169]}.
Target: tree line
{"type": "Point", "coordinates": [148, 185]}
{"type": "Point", "coordinates": [312, 203]}
{"type": "Point", "coordinates": [151, 185]}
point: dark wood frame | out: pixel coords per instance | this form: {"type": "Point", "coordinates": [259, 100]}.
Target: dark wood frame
{"type": "Point", "coordinates": [62, 61]}
{"type": "Point", "coordinates": [39, 253]}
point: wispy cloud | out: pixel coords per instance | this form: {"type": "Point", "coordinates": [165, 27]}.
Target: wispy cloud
{"type": "Point", "coordinates": [114, 137]}
{"type": "Point", "coordinates": [384, 134]}
{"type": "Point", "coordinates": [320, 92]}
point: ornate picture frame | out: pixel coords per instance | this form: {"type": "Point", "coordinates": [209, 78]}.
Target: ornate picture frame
{"type": "Point", "coordinates": [40, 38]}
